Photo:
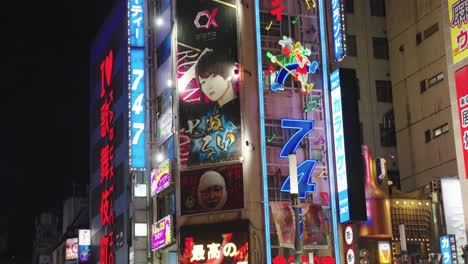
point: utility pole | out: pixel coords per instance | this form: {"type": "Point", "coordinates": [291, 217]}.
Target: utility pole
{"type": "Point", "coordinates": [294, 190]}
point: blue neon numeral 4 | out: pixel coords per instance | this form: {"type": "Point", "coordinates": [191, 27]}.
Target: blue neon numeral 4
{"type": "Point", "coordinates": [304, 174]}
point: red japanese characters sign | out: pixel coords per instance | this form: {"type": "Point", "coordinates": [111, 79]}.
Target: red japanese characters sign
{"type": "Point", "coordinates": [106, 209]}
{"type": "Point", "coordinates": [461, 81]}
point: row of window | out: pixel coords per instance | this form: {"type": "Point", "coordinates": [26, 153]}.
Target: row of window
{"type": "Point", "coordinates": [377, 7]}
{"type": "Point", "coordinates": [379, 45]}
{"type": "Point", "coordinates": [426, 84]}
{"type": "Point", "coordinates": [426, 33]}
{"type": "Point", "coordinates": [436, 132]}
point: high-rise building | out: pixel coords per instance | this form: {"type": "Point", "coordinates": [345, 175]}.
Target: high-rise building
{"type": "Point", "coordinates": [427, 42]}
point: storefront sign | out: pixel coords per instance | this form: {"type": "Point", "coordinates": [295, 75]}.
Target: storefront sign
{"type": "Point", "coordinates": [161, 234]}
{"type": "Point", "coordinates": [160, 177]}
{"type": "Point", "coordinates": [461, 83]}
{"type": "Point", "coordinates": [448, 248]}
{"type": "Point", "coordinates": [458, 29]}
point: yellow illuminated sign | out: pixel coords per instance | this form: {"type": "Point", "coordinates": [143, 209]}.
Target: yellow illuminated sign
{"type": "Point", "coordinates": [458, 22]}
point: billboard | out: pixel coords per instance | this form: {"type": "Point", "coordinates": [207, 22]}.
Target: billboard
{"type": "Point", "coordinates": [137, 75]}
{"type": "Point", "coordinates": [71, 248]}
{"type": "Point", "coordinates": [214, 189]}
{"type": "Point", "coordinates": [221, 243]}
{"type": "Point", "coordinates": [338, 28]}
{"type": "Point", "coordinates": [349, 162]}
{"type": "Point", "coordinates": [461, 83]}
{"type": "Point", "coordinates": [160, 177]}
{"type": "Point", "coordinates": [209, 106]}
{"type": "Point", "coordinates": [458, 29]}
{"type": "Point", "coordinates": [161, 234]}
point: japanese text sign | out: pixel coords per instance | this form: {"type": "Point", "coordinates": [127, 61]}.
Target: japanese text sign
{"type": "Point", "coordinates": [461, 82]}
{"type": "Point", "coordinates": [458, 22]}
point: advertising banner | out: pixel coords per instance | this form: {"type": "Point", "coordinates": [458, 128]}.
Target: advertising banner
{"type": "Point", "coordinates": [161, 234]}
{"type": "Point", "coordinates": [458, 29]}
{"type": "Point", "coordinates": [315, 226]}
{"type": "Point", "coordinates": [461, 83]}
{"type": "Point", "coordinates": [209, 109]}
{"type": "Point", "coordinates": [222, 243]}
{"type": "Point", "coordinates": [285, 223]}
{"type": "Point", "coordinates": [160, 177]}
{"type": "Point", "coordinates": [214, 189]}
{"type": "Point", "coordinates": [71, 248]}
{"type": "Point", "coordinates": [164, 130]}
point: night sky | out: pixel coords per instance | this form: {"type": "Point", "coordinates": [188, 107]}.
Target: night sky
{"type": "Point", "coordinates": [45, 108]}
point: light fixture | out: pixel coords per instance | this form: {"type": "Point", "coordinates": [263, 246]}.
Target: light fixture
{"type": "Point", "coordinates": [169, 83]}
{"type": "Point", "coordinates": [159, 157]}
{"type": "Point", "coordinates": [159, 21]}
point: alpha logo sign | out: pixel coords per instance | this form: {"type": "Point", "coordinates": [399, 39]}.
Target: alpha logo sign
{"type": "Point", "coordinates": [205, 19]}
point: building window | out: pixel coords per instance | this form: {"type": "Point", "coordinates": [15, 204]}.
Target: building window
{"type": "Point", "coordinates": [380, 46]}
{"type": "Point", "coordinates": [377, 8]}
{"type": "Point", "coordinates": [422, 86]}
{"type": "Point", "coordinates": [166, 205]}
{"type": "Point", "coordinates": [418, 38]}
{"type": "Point", "coordinates": [351, 48]}
{"type": "Point", "coordinates": [276, 136]}
{"type": "Point", "coordinates": [431, 30]}
{"type": "Point", "coordinates": [384, 91]}
{"type": "Point", "coordinates": [436, 79]}
{"type": "Point", "coordinates": [387, 130]}
{"type": "Point", "coordinates": [440, 130]}
{"type": "Point", "coordinates": [427, 135]}
{"type": "Point", "coordinates": [349, 6]}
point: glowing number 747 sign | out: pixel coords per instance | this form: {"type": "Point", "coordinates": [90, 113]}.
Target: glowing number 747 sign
{"type": "Point", "coordinates": [305, 169]}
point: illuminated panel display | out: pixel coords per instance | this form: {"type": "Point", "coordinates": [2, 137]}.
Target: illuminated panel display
{"type": "Point", "coordinates": [161, 234]}
{"type": "Point", "coordinates": [458, 29]}
{"type": "Point", "coordinates": [338, 30]}
{"type": "Point", "coordinates": [223, 243]}
{"type": "Point", "coordinates": [71, 249]}
{"type": "Point", "coordinates": [137, 85]}
{"type": "Point", "coordinates": [210, 128]}
{"type": "Point", "coordinates": [160, 178]}
{"type": "Point", "coordinates": [461, 82]}
{"type": "Point", "coordinates": [338, 137]}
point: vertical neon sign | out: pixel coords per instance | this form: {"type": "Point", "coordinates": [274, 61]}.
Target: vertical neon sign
{"type": "Point", "coordinates": [106, 209]}
{"type": "Point", "coordinates": [136, 78]}
{"type": "Point", "coordinates": [338, 30]}
{"type": "Point", "coordinates": [338, 137]}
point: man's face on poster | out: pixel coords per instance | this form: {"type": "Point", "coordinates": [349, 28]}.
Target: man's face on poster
{"type": "Point", "coordinates": [212, 196]}
{"type": "Point", "coordinates": [213, 86]}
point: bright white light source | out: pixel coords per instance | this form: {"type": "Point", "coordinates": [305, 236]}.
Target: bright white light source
{"type": "Point", "coordinates": [140, 190]}
{"type": "Point", "coordinates": [141, 229]}
{"type": "Point", "coordinates": [159, 21]}
{"type": "Point", "coordinates": [159, 157]}
{"type": "Point", "coordinates": [169, 83]}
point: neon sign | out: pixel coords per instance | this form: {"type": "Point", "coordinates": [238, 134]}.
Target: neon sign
{"type": "Point", "coordinates": [106, 209]}
{"type": "Point", "coordinates": [338, 137]}
{"type": "Point", "coordinates": [137, 86]}
{"type": "Point", "coordinates": [292, 61]}
{"type": "Point", "coordinates": [338, 30]}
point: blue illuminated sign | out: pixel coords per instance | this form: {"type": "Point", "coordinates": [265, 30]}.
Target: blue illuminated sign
{"type": "Point", "coordinates": [137, 108]}
{"type": "Point", "coordinates": [304, 126]}
{"type": "Point", "coordinates": [136, 20]}
{"type": "Point", "coordinates": [338, 26]}
{"type": "Point", "coordinates": [445, 250]}
{"type": "Point", "coordinates": [338, 137]}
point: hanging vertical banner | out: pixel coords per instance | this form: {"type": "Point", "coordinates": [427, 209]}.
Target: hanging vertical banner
{"type": "Point", "coordinates": [461, 83]}
{"type": "Point", "coordinates": [340, 155]}
{"type": "Point", "coordinates": [338, 27]}
{"type": "Point", "coordinates": [209, 108]}
{"type": "Point", "coordinates": [458, 29]}
{"type": "Point", "coordinates": [137, 85]}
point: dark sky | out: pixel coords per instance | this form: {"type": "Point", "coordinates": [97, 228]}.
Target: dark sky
{"type": "Point", "coordinates": [45, 107]}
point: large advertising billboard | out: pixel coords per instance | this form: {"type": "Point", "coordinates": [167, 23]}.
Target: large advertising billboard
{"type": "Point", "coordinates": [461, 83]}
{"type": "Point", "coordinates": [209, 108]}
{"type": "Point", "coordinates": [222, 243]}
{"type": "Point", "coordinates": [209, 190]}
{"type": "Point", "coordinates": [458, 29]}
